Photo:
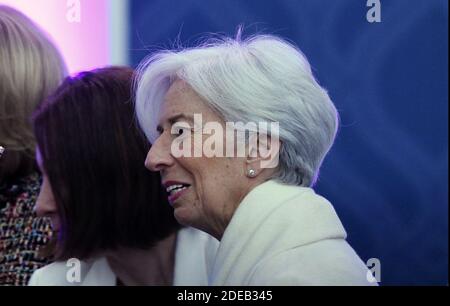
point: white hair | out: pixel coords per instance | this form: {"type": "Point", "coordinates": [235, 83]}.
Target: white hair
{"type": "Point", "coordinates": [259, 79]}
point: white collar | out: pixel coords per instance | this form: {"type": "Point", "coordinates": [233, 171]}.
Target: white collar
{"type": "Point", "coordinates": [272, 218]}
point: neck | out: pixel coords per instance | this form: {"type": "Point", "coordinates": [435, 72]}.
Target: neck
{"type": "Point", "coordinates": [155, 266]}
{"type": "Point", "coordinates": [217, 226]}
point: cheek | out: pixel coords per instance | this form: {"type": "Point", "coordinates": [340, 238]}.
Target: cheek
{"type": "Point", "coordinates": [213, 179]}
{"type": "Point", "coordinates": [45, 201]}
{"type": "Point", "coordinates": [48, 194]}
{"type": "Point", "coordinates": [227, 182]}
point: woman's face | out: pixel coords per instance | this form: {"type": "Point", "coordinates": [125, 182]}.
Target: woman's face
{"type": "Point", "coordinates": [212, 187]}
{"type": "Point", "coordinates": [45, 203]}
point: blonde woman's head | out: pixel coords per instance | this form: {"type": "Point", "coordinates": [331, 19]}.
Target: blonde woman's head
{"type": "Point", "coordinates": [31, 67]}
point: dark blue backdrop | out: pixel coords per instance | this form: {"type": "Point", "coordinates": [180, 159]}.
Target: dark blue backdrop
{"type": "Point", "coordinates": [387, 174]}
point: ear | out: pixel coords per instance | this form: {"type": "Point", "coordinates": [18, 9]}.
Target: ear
{"type": "Point", "coordinates": [263, 153]}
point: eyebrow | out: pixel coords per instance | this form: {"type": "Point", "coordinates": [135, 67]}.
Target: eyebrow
{"type": "Point", "coordinates": [176, 118]}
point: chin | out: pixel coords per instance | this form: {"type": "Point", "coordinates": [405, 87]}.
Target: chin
{"type": "Point", "coordinates": [183, 216]}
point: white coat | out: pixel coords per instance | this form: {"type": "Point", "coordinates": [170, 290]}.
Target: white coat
{"type": "Point", "coordinates": [286, 235]}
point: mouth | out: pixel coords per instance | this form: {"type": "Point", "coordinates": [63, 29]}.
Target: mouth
{"type": "Point", "coordinates": [175, 190]}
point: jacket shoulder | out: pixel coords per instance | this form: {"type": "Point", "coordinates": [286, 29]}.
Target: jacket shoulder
{"type": "Point", "coordinates": [329, 262]}
{"type": "Point", "coordinates": [53, 274]}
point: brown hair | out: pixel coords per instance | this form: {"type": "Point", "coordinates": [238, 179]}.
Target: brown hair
{"type": "Point", "coordinates": [93, 153]}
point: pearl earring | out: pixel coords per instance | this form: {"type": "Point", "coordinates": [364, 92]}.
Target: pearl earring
{"type": "Point", "coordinates": [251, 173]}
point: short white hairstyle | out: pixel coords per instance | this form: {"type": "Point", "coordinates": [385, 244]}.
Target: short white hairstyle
{"type": "Point", "coordinates": [260, 79]}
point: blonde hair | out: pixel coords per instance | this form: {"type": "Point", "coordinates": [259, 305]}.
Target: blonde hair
{"type": "Point", "coordinates": [31, 67]}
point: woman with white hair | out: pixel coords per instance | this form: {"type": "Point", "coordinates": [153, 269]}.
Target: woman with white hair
{"type": "Point", "coordinates": [273, 228]}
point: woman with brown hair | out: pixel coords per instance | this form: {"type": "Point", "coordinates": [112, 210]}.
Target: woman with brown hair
{"type": "Point", "coordinates": [107, 209]}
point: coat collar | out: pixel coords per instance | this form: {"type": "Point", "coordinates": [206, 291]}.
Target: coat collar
{"type": "Point", "coordinates": [273, 218]}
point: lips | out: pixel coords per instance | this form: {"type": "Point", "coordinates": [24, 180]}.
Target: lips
{"type": "Point", "coordinates": [175, 189]}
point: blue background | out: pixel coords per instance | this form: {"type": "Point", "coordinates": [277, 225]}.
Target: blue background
{"type": "Point", "coordinates": [387, 173]}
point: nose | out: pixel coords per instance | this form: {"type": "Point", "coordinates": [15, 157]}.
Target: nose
{"type": "Point", "coordinates": [159, 156]}
{"type": "Point", "coordinates": [45, 204]}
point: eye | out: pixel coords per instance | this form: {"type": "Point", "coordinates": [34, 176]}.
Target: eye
{"type": "Point", "coordinates": [178, 131]}
{"type": "Point", "coordinates": [180, 128]}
